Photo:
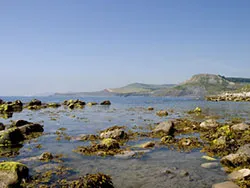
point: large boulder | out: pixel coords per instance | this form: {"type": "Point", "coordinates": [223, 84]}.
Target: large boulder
{"type": "Point", "coordinates": [240, 127]}
{"type": "Point", "coordinates": [10, 137]}
{"type": "Point", "coordinates": [208, 124]}
{"type": "Point", "coordinates": [12, 173]}
{"type": "Point", "coordinates": [165, 127]}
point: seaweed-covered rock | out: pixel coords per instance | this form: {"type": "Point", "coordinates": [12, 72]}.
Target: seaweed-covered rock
{"type": "Point", "coordinates": [12, 173]}
{"type": "Point", "coordinates": [208, 124]}
{"type": "Point", "coordinates": [72, 104]}
{"type": "Point", "coordinates": [35, 102]}
{"type": "Point", "coordinates": [107, 102]}
{"type": "Point", "coordinates": [235, 160]}
{"type": "Point", "coordinates": [10, 137]}
{"type": "Point", "coordinates": [115, 132]}
{"type": "Point", "coordinates": [53, 105]}
{"type": "Point", "coordinates": [162, 113]}
{"type": "Point", "coordinates": [20, 123]}
{"type": "Point", "coordinates": [5, 108]}
{"type": "Point", "coordinates": [31, 128]}
{"type": "Point", "coordinates": [98, 180]}
{"type": "Point", "coordinates": [240, 127]}
{"type": "Point", "coordinates": [110, 143]}
{"type": "Point", "coordinates": [166, 127]}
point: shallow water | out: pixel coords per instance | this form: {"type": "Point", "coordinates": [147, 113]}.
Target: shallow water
{"type": "Point", "coordinates": [146, 171]}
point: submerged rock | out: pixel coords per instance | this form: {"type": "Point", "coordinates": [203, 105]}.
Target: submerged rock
{"type": "Point", "coordinates": [91, 103]}
{"type": "Point", "coordinates": [148, 145]}
{"type": "Point", "coordinates": [208, 124]}
{"type": "Point", "coordinates": [210, 165]}
{"type": "Point", "coordinates": [12, 173]}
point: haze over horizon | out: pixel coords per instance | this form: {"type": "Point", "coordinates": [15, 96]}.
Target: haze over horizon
{"type": "Point", "coordinates": [62, 46]}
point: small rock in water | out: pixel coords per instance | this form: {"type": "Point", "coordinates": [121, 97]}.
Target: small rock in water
{"type": "Point", "coordinates": [210, 123]}
{"type": "Point", "coordinates": [183, 173]}
{"type": "Point", "coordinates": [150, 108]}
{"type": "Point", "coordinates": [162, 113]}
{"type": "Point", "coordinates": [240, 174]}
{"type": "Point", "coordinates": [165, 127]}
{"type": "Point", "coordinates": [210, 165]}
{"type": "Point", "coordinates": [46, 156]}
{"type": "Point", "coordinates": [107, 102]}
{"type": "Point", "coordinates": [208, 158]}
{"type": "Point", "coordinates": [148, 145]}
{"type": "Point", "coordinates": [226, 184]}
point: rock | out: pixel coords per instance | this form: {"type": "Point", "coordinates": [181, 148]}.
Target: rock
{"type": "Point", "coordinates": [183, 173]}
{"type": "Point", "coordinates": [12, 173]}
{"type": "Point", "coordinates": [53, 105]}
{"type": "Point", "coordinates": [240, 127]}
{"type": "Point", "coordinates": [126, 154]}
{"type": "Point", "coordinates": [167, 139]}
{"type": "Point", "coordinates": [165, 127]}
{"type": "Point", "coordinates": [107, 102]}
{"type": "Point", "coordinates": [227, 184]}
{"type": "Point", "coordinates": [220, 141]}
{"type": "Point", "coordinates": [35, 102]}
{"type": "Point", "coordinates": [115, 132]}
{"type": "Point", "coordinates": [245, 149]}
{"type": "Point", "coordinates": [110, 143]}
{"type": "Point", "coordinates": [2, 127]}
{"type": "Point", "coordinates": [148, 145]}
{"type": "Point", "coordinates": [150, 108]}
{"type": "Point", "coordinates": [162, 113]}
{"type": "Point", "coordinates": [74, 103]}
{"type": "Point", "coordinates": [20, 123]}
{"type": "Point", "coordinates": [235, 160]}
{"type": "Point", "coordinates": [197, 110]}
{"type": "Point", "coordinates": [46, 156]}
{"type": "Point", "coordinates": [91, 103]}
{"type": "Point", "coordinates": [12, 136]}
{"type": "Point", "coordinates": [210, 123]}
{"type": "Point", "coordinates": [208, 158]}
{"type": "Point", "coordinates": [6, 108]}
{"type": "Point", "coordinates": [240, 174]}
{"type": "Point", "coordinates": [89, 137]}
{"type": "Point", "coordinates": [210, 165]}
{"type": "Point", "coordinates": [31, 128]}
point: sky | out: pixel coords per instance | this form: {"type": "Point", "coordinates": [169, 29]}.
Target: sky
{"type": "Point", "coordinates": [89, 45]}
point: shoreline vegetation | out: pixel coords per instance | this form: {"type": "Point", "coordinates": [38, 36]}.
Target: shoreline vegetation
{"type": "Point", "coordinates": [226, 144]}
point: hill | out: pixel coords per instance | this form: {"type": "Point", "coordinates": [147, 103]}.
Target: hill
{"type": "Point", "coordinates": [199, 85]}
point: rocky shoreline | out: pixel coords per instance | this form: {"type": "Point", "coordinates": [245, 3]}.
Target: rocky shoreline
{"type": "Point", "coordinates": [229, 141]}
{"type": "Point", "coordinates": [236, 97]}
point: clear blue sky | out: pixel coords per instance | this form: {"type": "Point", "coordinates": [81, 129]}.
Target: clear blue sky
{"type": "Point", "coordinates": [79, 45]}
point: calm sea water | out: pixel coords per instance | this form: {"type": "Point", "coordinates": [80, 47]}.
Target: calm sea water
{"type": "Point", "coordinates": [129, 111]}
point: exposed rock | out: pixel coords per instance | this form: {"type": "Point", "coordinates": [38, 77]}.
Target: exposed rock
{"type": "Point", "coordinates": [165, 127]}
{"type": "Point", "coordinates": [115, 132]}
{"type": "Point", "coordinates": [240, 127]}
{"type": "Point", "coordinates": [46, 156]}
{"type": "Point", "coordinates": [2, 127]}
{"type": "Point", "coordinates": [150, 108]}
{"type": "Point", "coordinates": [6, 108]}
{"type": "Point", "coordinates": [31, 128]}
{"type": "Point", "coordinates": [12, 173]}
{"type": "Point", "coordinates": [54, 105]}
{"type": "Point", "coordinates": [110, 143]}
{"type": "Point", "coordinates": [72, 104]}
{"type": "Point", "coordinates": [89, 137]}
{"type": "Point", "coordinates": [197, 110]}
{"type": "Point", "coordinates": [208, 158]}
{"type": "Point", "coordinates": [162, 113]}
{"type": "Point", "coordinates": [245, 149]}
{"type": "Point", "coordinates": [91, 103]}
{"type": "Point", "coordinates": [227, 184]}
{"type": "Point", "coordinates": [210, 165]}
{"type": "Point", "coordinates": [35, 102]}
{"type": "Point", "coordinates": [167, 139]}
{"type": "Point", "coordinates": [148, 145]}
{"type": "Point", "coordinates": [235, 160]}
{"type": "Point", "coordinates": [12, 136]}
{"type": "Point", "coordinates": [107, 102]}
{"type": "Point", "coordinates": [183, 173]}
{"type": "Point", "coordinates": [20, 123]}
{"type": "Point", "coordinates": [208, 124]}
{"type": "Point", "coordinates": [240, 174]}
